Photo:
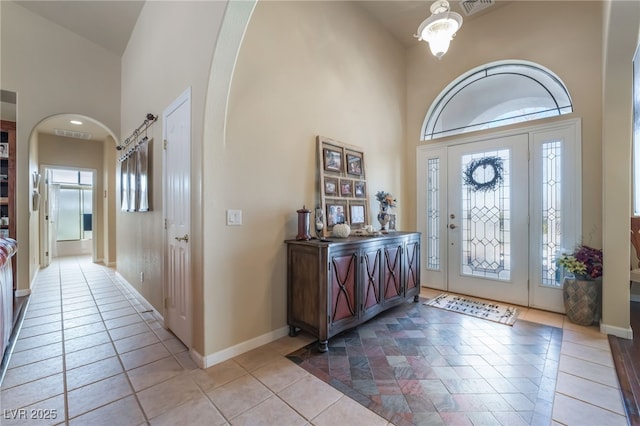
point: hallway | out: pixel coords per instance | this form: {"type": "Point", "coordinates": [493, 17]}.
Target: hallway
{"type": "Point", "coordinates": [89, 353]}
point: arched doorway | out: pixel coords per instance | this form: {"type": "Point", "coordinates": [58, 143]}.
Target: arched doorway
{"type": "Point", "coordinates": [75, 158]}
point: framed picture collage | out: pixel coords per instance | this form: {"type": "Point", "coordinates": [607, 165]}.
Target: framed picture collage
{"type": "Point", "coordinates": [343, 186]}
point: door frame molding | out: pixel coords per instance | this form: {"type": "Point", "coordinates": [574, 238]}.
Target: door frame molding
{"type": "Point", "coordinates": [438, 279]}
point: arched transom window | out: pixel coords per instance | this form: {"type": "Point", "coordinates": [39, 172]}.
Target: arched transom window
{"type": "Point", "coordinates": [494, 95]}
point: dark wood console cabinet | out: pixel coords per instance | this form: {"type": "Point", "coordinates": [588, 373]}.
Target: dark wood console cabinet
{"type": "Point", "coordinates": [336, 285]}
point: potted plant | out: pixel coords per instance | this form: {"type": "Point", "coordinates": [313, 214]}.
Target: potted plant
{"type": "Point", "coordinates": [582, 290]}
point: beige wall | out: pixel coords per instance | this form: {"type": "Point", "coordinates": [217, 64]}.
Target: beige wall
{"type": "Point", "coordinates": [304, 68]}
{"type": "Point", "coordinates": [170, 49]}
{"type": "Point", "coordinates": [622, 23]}
{"type": "Point", "coordinates": [52, 71]}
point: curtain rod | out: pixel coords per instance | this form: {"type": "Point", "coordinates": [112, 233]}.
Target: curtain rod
{"type": "Point", "coordinates": [149, 120]}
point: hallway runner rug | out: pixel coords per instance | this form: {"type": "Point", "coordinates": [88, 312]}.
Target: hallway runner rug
{"type": "Point", "coordinates": [491, 311]}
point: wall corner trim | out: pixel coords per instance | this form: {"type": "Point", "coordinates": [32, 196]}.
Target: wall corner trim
{"type": "Point", "coordinates": [624, 333]}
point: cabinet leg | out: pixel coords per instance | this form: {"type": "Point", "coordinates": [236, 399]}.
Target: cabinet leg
{"type": "Point", "coordinates": [416, 298]}
{"type": "Point", "coordinates": [292, 331]}
{"type": "Point", "coordinates": [323, 345]}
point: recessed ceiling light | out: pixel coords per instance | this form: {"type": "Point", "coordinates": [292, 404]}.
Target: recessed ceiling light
{"type": "Point", "coordinates": [76, 122]}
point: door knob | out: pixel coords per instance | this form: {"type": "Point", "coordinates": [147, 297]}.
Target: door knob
{"type": "Point", "coordinates": [185, 238]}
{"type": "Point", "coordinates": [452, 226]}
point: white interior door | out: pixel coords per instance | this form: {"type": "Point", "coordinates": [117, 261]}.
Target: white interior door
{"type": "Point", "coordinates": [177, 207]}
{"type": "Point", "coordinates": [488, 219]}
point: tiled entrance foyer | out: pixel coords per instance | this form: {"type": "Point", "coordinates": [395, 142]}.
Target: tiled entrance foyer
{"type": "Point", "coordinates": [88, 353]}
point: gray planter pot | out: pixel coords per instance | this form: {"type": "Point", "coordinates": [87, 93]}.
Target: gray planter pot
{"type": "Point", "coordinates": [582, 300]}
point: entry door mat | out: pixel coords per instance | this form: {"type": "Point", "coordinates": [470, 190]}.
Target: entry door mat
{"type": "Point", "coordinates": [417, 365]}
{"type": "Point", "coordinates": [492, 311]}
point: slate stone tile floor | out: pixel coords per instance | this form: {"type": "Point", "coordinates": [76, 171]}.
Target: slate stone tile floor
{"type": "Point", "coordinates": [90, 353]}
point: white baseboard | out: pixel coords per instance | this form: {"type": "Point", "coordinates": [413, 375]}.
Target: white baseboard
{"type": "Point", "coordinates": [624, 333]}
{"type": "Point", "coordinates": [240, 348]}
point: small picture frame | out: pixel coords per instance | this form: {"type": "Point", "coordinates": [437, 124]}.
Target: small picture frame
{"type": "Point", "coordinates": [332, 160]}
{"type": "Point", "coordinates": [354, 164]}
{"type": "Point", "coordinates": [360, 189]}
{"type": "Point", "coordinates": [357, 214]}
{"type": "Point", "coordinates": [331, 186]}
{"type": "Point", "coordinates": [336, 212]}
{"type": "Point", "coordinates": [346, 188]}
{"type": "Point", "coordinates": [4, 150]}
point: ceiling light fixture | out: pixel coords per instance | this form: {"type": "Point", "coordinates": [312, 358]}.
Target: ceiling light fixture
{"type": "Point", "coordinates": [76, 122]}
{"type": "Point", "coordinates": [439, 28]}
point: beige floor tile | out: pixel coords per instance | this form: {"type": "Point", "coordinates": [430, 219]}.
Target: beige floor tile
{"type": "Point", "coordinates": [588, 338]}
{"type": "Point", "coordinates": [168, 395]}
{"type": "Point", "coordinates": [142, 356]}
{"type": "Point", "coordinates": [239, 395]}
{"type": "Point", "coordinates": [113, 306]}
{"type": "Point", "coordinates": [122, 321]}
{"type": "Point", "coordinates": [286, 345]}
{"type": "Point", "coordinates": [117, 313]}
{"type": "Point", "coordinates": [84, 342]}
{"type": "Point", "coordinates": [138, 341]}
{"type": "Point", "coordinates": [587, 353]}
{"type": "Point", "coordinates": [270, 412]}
{"type": "Point", "coordinates": [93, 372]}
{"type": "Point", "coordinates": [546, 318]}
{"type": "Point", "coordinates": [310, 396]}
{"type": "Point", "coordinates": [185, 360]}
{"type": "Point", "coordinates": [197, 411]}
{"type": "Point", "coordinates": [347, 411]}
{"type": "Point", "coordinates": [279, 374]}
{"type": "Point", "coordinates": [29, 393]}
{"type": "Point", "coordinates": [34, 313]}
{"type": "Point", "coordinates": [125, 411]}
{"type": "Point", "coordinates": [174, 345]}
{"type": "Point", "coordinates": [97, 394]}
{"type": "Point", "coordinates": [128, 330]}
{"type": "Point", "coordinates": [92, 310]}
{"type": "Point", "coordinates": [89, 355]}
{"type": "Point", "coordinates": [603, 396]}
{"type": "Point", "coordinates": [40, 330]}
{"type": "Point", "coordinates": [82, 320]}
{"type": "Point", "coordinates": [218, 375]}
{"type": "Point", "coordinates": [151, 374]}
{"type": "Point", "coordinates": [256, 358]}
{"type": "Point", "coordinates": [32, 322]}
{"type": "Point", "coordinates": [570, 411]}
{"type": "Point", "coordinates": [47, 412]}
{"type": "Point", "coordinates": [27, 343]}
{"type": "Point", "coordinates": [36, 354]}
{"type": "Point", "coordinates": [30, 372]}
{"type": "Point", "coordinates": [83, 330]}
{"type": "Point", "coordinates": [595, 372]}
{"type": "Point", "coordinates": [79, 305]}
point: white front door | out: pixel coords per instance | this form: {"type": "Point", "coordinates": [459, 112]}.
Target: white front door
{"type": "Point", "coordinates": [487, 219]}
{"type": "Point", "coordinates": [501, 241]}
{"type": "Point", "coordinates": [177, 207]}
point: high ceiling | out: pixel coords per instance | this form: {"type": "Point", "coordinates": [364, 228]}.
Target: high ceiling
{"type": "Point", "coordinates": [109, 23]}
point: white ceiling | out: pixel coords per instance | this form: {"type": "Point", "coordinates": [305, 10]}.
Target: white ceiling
{"type": "Point", "coordinates": [107, 23]}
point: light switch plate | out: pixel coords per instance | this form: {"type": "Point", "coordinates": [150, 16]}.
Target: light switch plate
{"type": "Point", "coordinates": [234, 217]}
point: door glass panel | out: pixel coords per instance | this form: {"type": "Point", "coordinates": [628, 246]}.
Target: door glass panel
{"type": "Point", "coordinates": [551, 212]}
{"type": "Point", "coordinates": [485, 219]}
{"type": "Point", "coordinates": [69, 215]}
{"type": "Point", "coordinates": [433, 213]}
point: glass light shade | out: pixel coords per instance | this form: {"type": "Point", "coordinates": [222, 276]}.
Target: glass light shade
{"type": "Point", "coordinates": [438, 30]}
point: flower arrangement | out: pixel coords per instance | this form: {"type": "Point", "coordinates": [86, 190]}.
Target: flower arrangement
{"type": "Point", "coordinates": [386, 200]}
{"type": "Point", "coordinates": [584, 260]}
